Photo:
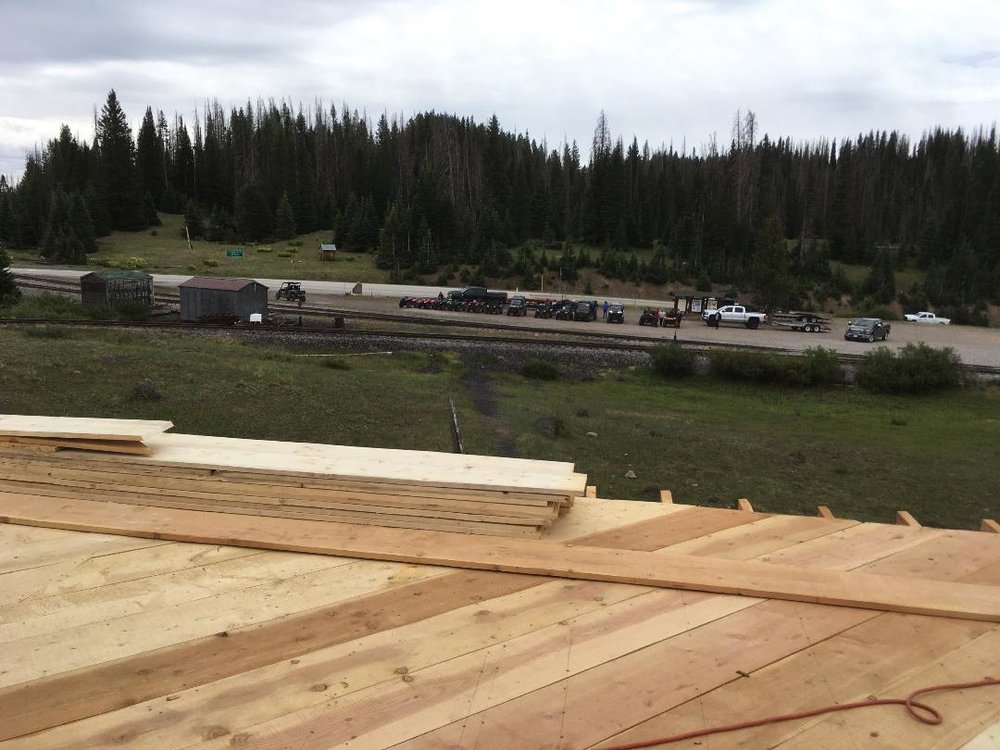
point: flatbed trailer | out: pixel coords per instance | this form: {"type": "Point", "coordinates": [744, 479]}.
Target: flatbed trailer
{"type": "Point", "coordinates": [806, 322]}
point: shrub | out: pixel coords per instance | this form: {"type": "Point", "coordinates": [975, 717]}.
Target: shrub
{"type": "Point", "coordinates": [815, 367]}
{"type": "Point", "coordinates": [284, 255]}
{"type": "Point", "coordinates": [263, 249]}
{"type": "Point", "coordinates": [539, 370]}
{"type": "Point", "coordinates": [210, 262]}
{"type": "Point", "coordinates": [880, 311]}
{"type": "Point", "coordinates": [673, 361]}
{"type": "Point", "coordinates": [823, 366]}
{"type": "Point", "coordinates": [916, 368]}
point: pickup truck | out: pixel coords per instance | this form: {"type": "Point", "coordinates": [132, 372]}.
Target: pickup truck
{"type": "Point", "coordinates": [734, 314]}
{"type": "Point", "coordinates": [866, 329]}
{"type": "Point", "coordinates": [478, 293]}
{"type": "Point", "coordinates": [927, 317]}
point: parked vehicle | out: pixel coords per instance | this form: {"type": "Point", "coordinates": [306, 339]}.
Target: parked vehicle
{"type": "Point", "coordinates": [616, 313]}
{"type": "Point", "coordinates": [801, 321]}
{"type": "Point", "coordinates": [585, 310]}
{"type": "Point", "coordinates": [927, 317]}
{"type": "Point", "coordinates": [292, 291]}
{"type": "Point", "coordinates": [649, 317]}
{"type": "Point", "coordinates": [518, 307]}
{"type": "Point", "coordinates": [734, 314]}
{"type": "Point", "coordinates": [867, 329]}
{"type": "Point", "coordinates": [551, 309]}
{"type": "Point", "coordinates": [480, 293]}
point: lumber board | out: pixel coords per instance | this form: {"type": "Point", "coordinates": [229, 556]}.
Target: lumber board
{"type": "Point", "coordinates": [281, 495]}
{"type": "Point", "coordinates": [552, 703]}
{"type": "Point", "coordinates": [535, 557]}
{"type": "Point", "coordinates": [230, 503]}
{"type": "Point", "coordinates": [87, 428]}
{"type": "Point", "coordinates": [220, 510]}
{"type": "Point", "coordinates": [55, 444]}
{"type": "Point", "coordinates": [989, 525]}
{"type": "Point", "coordinates": [58, 699]}
{"type": "Point", "coordinates": [859, 662]}
{"type": "Point", "coordinates": [964, 711]}
{"type": "Point", "coordinates": [219, 480]}
{"type": "Point", "coordinates": [350, 462]}
{"type": "Point", "coordinates": [259, 600]}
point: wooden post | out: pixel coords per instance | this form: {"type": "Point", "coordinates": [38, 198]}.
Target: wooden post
{"type": "Point", "coordinates": [903, 518]}
{"type": "Point", "coordinates": [590, 491]}
{"type": "Point", "coordinates": [666, 496]}
{"type": "Point", "coordinates": [990, 525]}
{"type": "Point", "coordinates": [744, 505]}
{"type": "Point", "coordinates": [823, 512]}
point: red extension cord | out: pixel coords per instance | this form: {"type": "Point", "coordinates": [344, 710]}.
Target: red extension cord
{"type": "Point", "coordinates": [919, 711]}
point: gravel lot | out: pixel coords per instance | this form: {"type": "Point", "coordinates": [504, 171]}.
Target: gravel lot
{"type": "Point", "coordinates": [976, 346]}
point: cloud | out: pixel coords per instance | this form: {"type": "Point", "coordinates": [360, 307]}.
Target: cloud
{"type": "Point", "coordinates": [664, 71]}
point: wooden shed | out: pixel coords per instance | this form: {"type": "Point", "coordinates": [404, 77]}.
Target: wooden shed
{"type": "Point", "coordinates": [206, 296]}
{"type": "Point", "coordinates": [327, 251]}
{"type": "Point", "coordinates": [698, 302]}
{"type": "Point", "coordinates": [117, 287]}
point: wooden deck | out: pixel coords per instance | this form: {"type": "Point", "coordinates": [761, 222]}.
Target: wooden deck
{"type": "Point", "coordinates": [119, 641]}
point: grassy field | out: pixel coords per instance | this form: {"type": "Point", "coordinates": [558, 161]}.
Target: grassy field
{"type": "Point", "coordinates": [710, 443]}
{"type": "Point", "coordinates": [164, 249]}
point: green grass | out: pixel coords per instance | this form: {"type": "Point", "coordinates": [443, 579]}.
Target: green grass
{"type": "Point", "coordinates": [709, 442]}
{"type": "Point", "coordinates": [167, 251]}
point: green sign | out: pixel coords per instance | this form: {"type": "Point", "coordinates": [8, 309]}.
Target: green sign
{"type": "Point", "coordinates": [236, 253]}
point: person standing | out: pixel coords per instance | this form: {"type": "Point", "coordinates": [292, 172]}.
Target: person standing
{"type": "Point", "coordinates": [605, 308]}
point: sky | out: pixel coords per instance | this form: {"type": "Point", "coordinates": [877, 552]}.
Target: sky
{"type": "Point", "coordinates": [667, 72]}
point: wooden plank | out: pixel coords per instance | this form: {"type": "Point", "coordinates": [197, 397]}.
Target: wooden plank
{"type": "Point", "coordinates": [49, 701]}
{"type": "Point", "coordinates": [627, 677]}
{"type": "Point", "coordinates": [666, 496]}
{"type": "Point", "coordinates": [990, 525]}
{"type": "Point", "coordinates": [905, 518]}
{"type": "Point", "coordinates": [744, 505]}
{"type": "Point", "coordinates": [859, 662]}
{"type": "Point", "coordinates": [280, 495]}
{"type": "Point", "coordinates": [338, 461]}
{"type": "Point", "coordinates": [221, 480]}
{"type": "Point", "coordinates": [824, 512]}
{"type": "Point", "coordinates": [519, 556]}
{"type": "Point", "coordinates": [964, 711]}
{"type": "Point", "coordinates": [350, 513]}
{"type": "Point", "coordinates": [104, 446]}
{"type": "Point", "coordinates": [591, 491]}
{"type": "Point", "coordinates": [87, 428]}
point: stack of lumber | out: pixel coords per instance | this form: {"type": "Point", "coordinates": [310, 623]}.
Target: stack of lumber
{"type": "Point", "coordinates": [143, 465]}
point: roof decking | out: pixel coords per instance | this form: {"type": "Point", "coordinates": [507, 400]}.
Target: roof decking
{"type": "Point", "coordinates": [172, 644]}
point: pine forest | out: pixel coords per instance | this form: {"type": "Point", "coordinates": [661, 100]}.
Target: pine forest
{"type": "Point", "coordinates": [772, 217]}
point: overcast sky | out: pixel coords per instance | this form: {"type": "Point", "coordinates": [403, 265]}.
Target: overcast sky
{"type": "Point", "coordinates": [668, 71]}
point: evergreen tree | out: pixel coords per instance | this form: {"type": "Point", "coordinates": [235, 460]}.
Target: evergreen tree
{"type": "Point", "coordinates": [117, 171]}
{"type": "Point", "coordinates": [192, 220]}
{"type": "Point", "coordinates": [149, 158]}
{"type": "Point", "coordinates": [252, 216]}
{"type": "Point", "coordinates": [771, 280]}
{"type": "Point", "coordinates": [9, 292]}
{"type": "Point", "coordinates": [881, 282]}
{"type": "Point", "coordinates": [61, 243]}
{"type": "Point", "coordinates": [80, 223]}
{"type": "Point", "coordinates": [284, 219]}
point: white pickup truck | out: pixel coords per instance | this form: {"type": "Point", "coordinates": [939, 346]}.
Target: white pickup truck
{"type": "Point", "coordinates": [927, 317]}
{"type": "Point", "coordinates": [734, 314]}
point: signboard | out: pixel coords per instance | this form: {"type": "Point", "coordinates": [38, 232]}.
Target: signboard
{"type": "Point", "coordinates": [235, 253]}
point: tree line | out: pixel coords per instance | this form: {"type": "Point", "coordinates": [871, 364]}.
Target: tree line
{"type": "Point", "coordinates": [439, 190]}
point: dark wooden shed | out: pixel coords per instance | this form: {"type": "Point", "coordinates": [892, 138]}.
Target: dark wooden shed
{"type": "Point", "coordinates": [207, 296]}
{"type": "Point", "coordinates": [698, 302]}
{"type": "Point", "coordinates": [117, 287]}
{"type": "Point", "coordinates": [327, 251]}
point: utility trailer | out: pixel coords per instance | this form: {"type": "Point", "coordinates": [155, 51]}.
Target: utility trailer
{"type": "Point", "coordinates": [806, 322]}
